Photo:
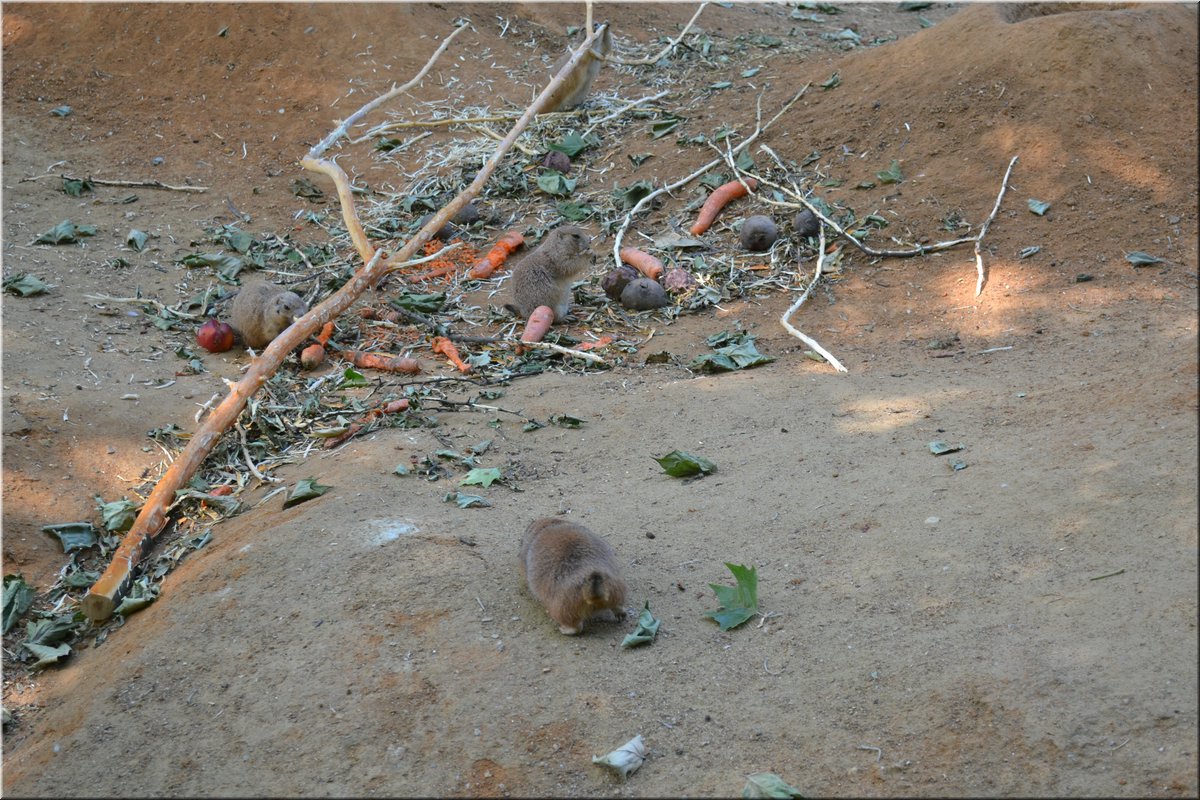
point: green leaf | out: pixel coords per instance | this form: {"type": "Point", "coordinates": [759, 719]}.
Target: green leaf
{"type": "Point", "coordinates": [386, 145]}
{"type": "Point", "coordinates": [48, 631]}
{"type": "Point", "coordinates": [665, 125]}
{"type": "Point", "coordinates": [632, 194]}
{"type": "Point", "coordinates": [554, 182]}
{"type": "Point", "coordinates": [352, 378]}
{"type": "Point", "coordinates": [939, 448]}
{"type": "Point", "coordinates": [225, 263]}
{"type": "Point", "coordinates": [744, 161]}
{"type": "Point", "coordinates": [891, 174]}
{"type": "Point", "coordinates": [25, 285]}
{"type": "Point", "coordinates": [306, 489]}
{"type": "Point", "coordinates": [61, 111]}
{"type": "Point", "coordinates": [834, 81]}
{"type": "Point", "coordinates": [118, 515]}
{"type": "Point", "coordinates": [750, 73]}
{"type": "Point", "coordinates": [732, 352]}
{"type": "Point", "coordinates": [532, 425]}
{"type": "Point", "coordinates": [1140, 259]}
{"type": "Point", "coordinates": [65, 232]}
{"type": "Point", "coordinates": [679, 464]}
{"type": "Point", "coordinates": [75, 187]}
{"type": "Point", "coordinates": [18, 597]}
{"type": "Point", "coordinates": [466, 500]}
{"type": "Point", "coordinates": [420, 303]}
{"type": "Point", "coordinates": [566, 421]}
{"type": "Point", "coordinates": [646, 630]}
{"type": "Point", "coordinates": [1030, 251]}
{"type": "Point", "coordinates": [303, 187]}
{"type": "Point", "coordinates": [720, 85]}
{"type": "Point", "coordinates": [738, 603]}
{"type": "Point", "coordinates": [140, 595]}
{"type": "Point", "coordinates": [572, 144]}
{"type": "Point", "coordinates": [47, 655]}
{"type": "Point", "coordinates": [402, 469]}
{"type": "Point", "coordinates": [136, 239]}
{"type": "Point", "coordinates": [575, 212]}
{"type": "Point", "coordinates": [81, 578]}
{"type": "Point", "coordinates": [639, 158]}
{"type": "Point", "coordinates": [238, 240]}
{"type": "Point", "coordinates": [770, 785]}
{"type": "Point", "coordinates": [481, 477]}
{"type": "Point", "coordinates": [73, 535]}
{"type": "Point", "coordinates": [1038, 207]}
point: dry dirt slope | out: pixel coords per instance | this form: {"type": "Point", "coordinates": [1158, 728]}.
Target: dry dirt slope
{"type": "Point", "coordinates": [311, 652]}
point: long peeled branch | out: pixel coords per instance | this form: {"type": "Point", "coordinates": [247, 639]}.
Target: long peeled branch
{"type": "Point", "coordinates": [106, 592]}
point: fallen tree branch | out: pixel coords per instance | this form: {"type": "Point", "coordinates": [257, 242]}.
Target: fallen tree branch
{"type": "Point", "coordinates": [133, 184]}
{"type": "Point", "coordinates": [784, 320]}
{"type": "Point", "coordinates": [102, 598]}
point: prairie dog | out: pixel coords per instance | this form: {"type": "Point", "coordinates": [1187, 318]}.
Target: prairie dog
{"type": "Point", "coordinates": [261, 311]}
{"type": "Point", "coordinates": [543, 277]}
{"type": "Point", "coordinates": [574, 89]}
{"type": "Point", "coordinates": [572, 572]}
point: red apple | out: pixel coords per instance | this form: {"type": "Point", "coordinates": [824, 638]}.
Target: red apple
{"type": "Point", "coordinates": [215, 336]}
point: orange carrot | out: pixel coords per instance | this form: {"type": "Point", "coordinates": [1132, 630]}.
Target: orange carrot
{"type": "Point", "coordinates": [445, 347]}
{"type": "Point", "coordinates": [603, 341]}
{"type": "Point", "coordinates": [382, 361]}
{"type": "Point", "coordinates": [312, 356]}
{"type": "Point", "coordinates": [719, 198]}
{"type": "Point", "coordinates": [500, 251]}
{"type": "Point", "coordinates": [538, 324]}
{"type": "Point", "coordinates": [221, 491]}
{"type": "Point", "coordinates": [326, 332]}
{"type": "Point", "coordinates": [396, 406]}
{"type": "Point", "coordinates": [645, 263]}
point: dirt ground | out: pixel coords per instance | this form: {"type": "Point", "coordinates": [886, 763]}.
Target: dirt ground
{"type": "Point", "coordinates": [1023, 626]}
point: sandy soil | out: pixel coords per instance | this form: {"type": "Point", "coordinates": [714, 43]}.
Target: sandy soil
{"type": "Point", "coordinates": [379, 640]}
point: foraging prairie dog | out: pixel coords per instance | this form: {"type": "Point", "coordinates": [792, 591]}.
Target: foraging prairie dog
{"type": "Point", "coordinates": [575, 87]}
{"type": "Point", "coordinates": [261, 311]}
{"type": "Point", "coordinates": [544, 276]}
{"type": "Point", "coordinates": [572, 572]}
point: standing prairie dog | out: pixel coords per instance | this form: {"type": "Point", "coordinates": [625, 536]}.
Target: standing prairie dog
{"type": "Point", "coordinates": [572, 572]}
{"type": "Point", "coordinates": [575, 87]}
{"type": "Point", "coordinates": [261, 311]}
{"type": "Point", "coordinates": [544, 276]}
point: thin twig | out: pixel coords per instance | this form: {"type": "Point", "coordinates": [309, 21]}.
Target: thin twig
{"type": "Point", "coordinates": [566, 351]}
{"type": "Point", "coordinates": [879, 751]}
{"type": "Point", "coordinates": [142, 301]}
{"type": "Point", "coordinates": [134, 184]}
{"type": "Point", "coordinates": [249, 461]}
{"type": "Point", "coordinates": [983, 228]}
{"type": "Point", "coordinates": [621, 111]}
{"type": "Point", "coordinates": [784, 320]}
{"type": "Point", "coordinates": [643, 62]}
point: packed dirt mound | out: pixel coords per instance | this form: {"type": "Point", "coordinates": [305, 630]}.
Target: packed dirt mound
{"type": "Point", "coordinates": [1018, 620]}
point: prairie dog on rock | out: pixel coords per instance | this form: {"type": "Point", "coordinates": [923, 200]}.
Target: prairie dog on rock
{"type": "Point", "coordinates": [572, 572]}
{"type": "Point", "coordinates": [261, 311]}
{"type": "Point", "coordinates": [543, 277]}
{"type": "Point", "coordinates": [574, 89]}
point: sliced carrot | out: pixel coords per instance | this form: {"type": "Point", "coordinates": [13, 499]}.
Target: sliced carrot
{"type": "Point", "coordinates": [500, 251]}
{"type": "Point", "coordinates": [720, 197]}
{"type": "Point", "coordinates": [443, 346]}
{"type": "Point", "coordinates": [603, 341]}
{"type": "Point", "coordinates": [645, 263]}
{"type": "Point", "coordinates": [396, 406]}
{"type": "Point", "coordinates": [538, 324]}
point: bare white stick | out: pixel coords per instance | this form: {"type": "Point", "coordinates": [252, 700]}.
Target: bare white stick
{"type": "Point", "coordinates": [623, 109]}
{"type": "Point", "coordinates": [758, 130]}
{"type": "Point", "coordinates": [344, 125]}
{"type": "Point", "coordinates": [642, 62]}
{"type": "Point", "coordinates": [808, 340]}
{"type": "Point", "coordinates": [983, 229]}
{"type": "Point", "coordinates": [566, 351]}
